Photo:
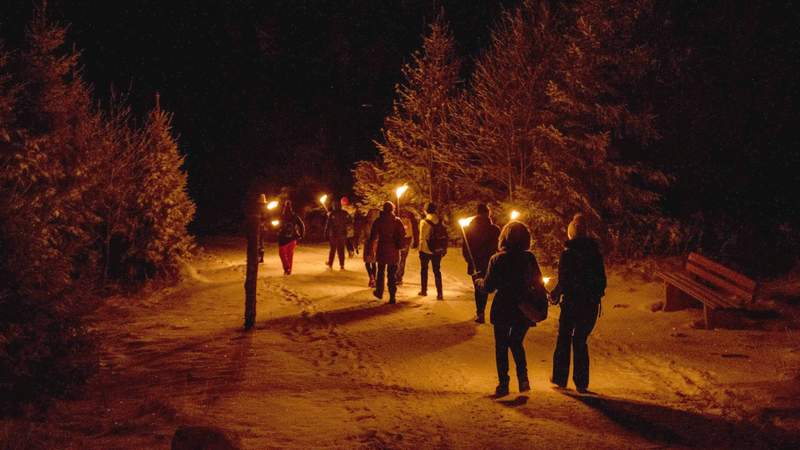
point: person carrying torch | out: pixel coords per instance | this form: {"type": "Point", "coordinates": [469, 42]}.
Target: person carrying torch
{"type": "Point", "coordinates": [480, 243]}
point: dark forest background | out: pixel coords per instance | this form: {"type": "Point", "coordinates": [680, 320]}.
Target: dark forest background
{"type": "Point", "coordinates": [295, 91]}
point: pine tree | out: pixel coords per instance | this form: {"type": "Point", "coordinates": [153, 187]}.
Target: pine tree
{"type": "Point", "coordinates": [414, 148]}
{"type": "Point", "coordinates": [163, 209]}
{"type": "Point", "coordinates": [546, 114]}
{"type": "Point", "coordinates": [47, 134]}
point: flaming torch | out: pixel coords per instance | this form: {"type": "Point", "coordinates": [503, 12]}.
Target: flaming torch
{"type": "Point", "coordinates": [322, 201]}
{"type": "Point", "coordinates": [399, 192]}
{"type": "Point", "coordinates": [463, 223]}
{"type": "Point", "coordinates": [275, 223]}
{"type": "Point", "coordinates": [272, 205]}
{"type": "Point", "coordinates": [515, 214]}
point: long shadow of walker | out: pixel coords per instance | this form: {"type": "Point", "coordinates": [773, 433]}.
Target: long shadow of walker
{"type": "Point", "coordinates": [665, 425]}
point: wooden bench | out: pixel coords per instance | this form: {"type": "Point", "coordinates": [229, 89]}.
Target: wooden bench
{"type": "Point", "coordinates": [716, 286]}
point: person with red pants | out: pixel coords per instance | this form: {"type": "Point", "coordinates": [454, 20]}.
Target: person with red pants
{"type": "Point", "coordinates": [291, 230]}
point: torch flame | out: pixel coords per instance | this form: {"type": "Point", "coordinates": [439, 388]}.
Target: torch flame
{"type": "Point", "coordinates": [323, 199]}
{"type": "Point", "coordinates": [272, 205]}
{"type": "Point", "coordinates": [515, 215]}
{"type": "Point", "coordinates": [401, 190]}
{"type": "Point", "coordinates": [466, 221]}
{"type": "Point", "coordinates": [546, 280]}
{"type": "Point", "coordinates": [275, 223]}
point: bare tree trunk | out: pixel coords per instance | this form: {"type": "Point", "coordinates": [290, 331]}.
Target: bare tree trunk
{"type": "Point", "coordinates": [251, 278]}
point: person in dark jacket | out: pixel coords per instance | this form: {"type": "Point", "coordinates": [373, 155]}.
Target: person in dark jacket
{"type": "Point", "coordinates": [369, 247]}
{"type": "Point", "coordinates": [336, 233]}
{"type": "Point", "coordinates": [510, 272]}
{"type": "Point", "coordinates": [388, 232]}
{"type": "Point", "coordinates": [291, 230]}
{"type": "Point", "coordinates": [581, 285]}
{"type": "Point", "coordinates": [481, 237]}
{"type": "Point", "coordinates": [408, 219]}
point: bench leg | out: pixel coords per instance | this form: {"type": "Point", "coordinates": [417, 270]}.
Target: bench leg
{"type": "Point", "coordinates": [675, 299]}
{"type": "Point", "coordinates": [708, 314]}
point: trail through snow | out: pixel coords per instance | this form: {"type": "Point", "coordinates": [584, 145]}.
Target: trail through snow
{"type": "Point", "coordinates": [329, 366]}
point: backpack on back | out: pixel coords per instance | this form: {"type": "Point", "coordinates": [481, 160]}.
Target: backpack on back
{"type": "Point", "coordinates": [438, 239]}
{"type": "Point", "coordinates": [288, 231]}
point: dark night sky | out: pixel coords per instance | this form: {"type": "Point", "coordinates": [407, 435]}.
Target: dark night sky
{"type": "Point", "coordinates": [263, 89]}
{"type": "Point", "coordinates": [250, 81]}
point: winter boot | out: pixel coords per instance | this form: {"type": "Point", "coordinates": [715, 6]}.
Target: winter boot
{"type": "Point", "coordinates": [481, 318]}
{"type": "Point", "coordinates": [524, 385]}
{"type": "Point", "coordinates": [501, 390]}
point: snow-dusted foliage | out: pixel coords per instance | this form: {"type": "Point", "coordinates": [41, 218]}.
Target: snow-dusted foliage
{"type": "Point", "coordinates": [84, 197]}
{"type": "Point", "coordinates": [541, 126]}
{"type": "Point", "coordinates": [161, 208]}
{"type": "Point", "coordinates": [415, 146]}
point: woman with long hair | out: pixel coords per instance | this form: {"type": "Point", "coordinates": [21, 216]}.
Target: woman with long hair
{"type": "Point", "coordinates": [511, 271]}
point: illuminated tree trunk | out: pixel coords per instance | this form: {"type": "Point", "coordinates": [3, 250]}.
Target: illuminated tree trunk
{"type": "Point", "coordinates": [251, 278]}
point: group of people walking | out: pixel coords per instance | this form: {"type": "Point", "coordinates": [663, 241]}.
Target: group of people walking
{"type": "Point", "coordinates": [388, 244]}
{"type": "Point", "coordinates": [509, 269]}
{"type": "Point", "coordinates": [498, 261]}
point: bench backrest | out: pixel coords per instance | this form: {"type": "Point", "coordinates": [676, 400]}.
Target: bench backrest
{"type": "Point", "coordinates": [721, 276]}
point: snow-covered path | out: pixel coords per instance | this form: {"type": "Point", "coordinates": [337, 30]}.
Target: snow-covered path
{"type": "Point", "coordinates": [328, 366]}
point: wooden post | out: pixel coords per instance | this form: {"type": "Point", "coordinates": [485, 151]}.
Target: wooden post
{"type": "Point", "coordinates": [253, 231]}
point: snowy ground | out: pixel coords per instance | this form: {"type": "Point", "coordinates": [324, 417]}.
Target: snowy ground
{"type": "Point", "coordinates": [328, 366]}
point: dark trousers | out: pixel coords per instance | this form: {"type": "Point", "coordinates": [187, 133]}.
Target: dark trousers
{"type": "Point", "coordinates": [391, 279]}
{"type": "Point", "coordinates": [337, 247]}
{"type": "Point", "coordinates": [401, 267]}
{"type": "Point", "coordinates": [436, 260]}
{"type": "Point", "coordinates": [574, 326]}
{"type": "Point", "coordinates": [510, 337]}
{"type": "Point", "coordinates": [372, 270]}
{"type": "Point", "coordinates": [481, 297]}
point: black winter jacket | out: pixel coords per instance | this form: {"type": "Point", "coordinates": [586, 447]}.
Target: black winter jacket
{"type": "Point", "coordinates": [581, 272]}
{"type": "Point", "coordinates": [509, 273]}
{"type": "Point", "coordinates": [482, 236]}
{"type": "Point", "coordinates": [291, 229]}
{"type": "Point", "coordinates": [336, 226]}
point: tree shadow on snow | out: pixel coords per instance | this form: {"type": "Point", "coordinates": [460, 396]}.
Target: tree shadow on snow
{"type": "Point", "coordinates": [664, 425]}
{"type": "Point", "coordinates": [337, 316]}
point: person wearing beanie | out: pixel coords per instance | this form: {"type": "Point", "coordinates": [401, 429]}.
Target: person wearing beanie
{"type": "Point", "coordinates": [388, 234]}
{"type": "Point", "coordinates": [581, 285]}
{"type": "Point", "coordinates": [428, 255]}
{"type": "Point", "coordinates": [481, 242]}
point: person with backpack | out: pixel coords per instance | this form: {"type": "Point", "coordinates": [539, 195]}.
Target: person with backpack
{"type": "Point", "coordinates": [581, 285]}
{"type": "Point", "coordinates": [388, 234]}
{"type": "Point", "coordinates": [336, 232]}
{"type": "Point", "coordinates": [511, 271]}
{"type": "Point", "coordinates": [370, 263]}
{"type": "Point", "coordinates": [291, 230]}
{"type": "Point", "coordinates": [408, 219]}
{"type": "Point", "coordinates": [433, 242]}
{"type": "Point", "coordinates": [481, 241]}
